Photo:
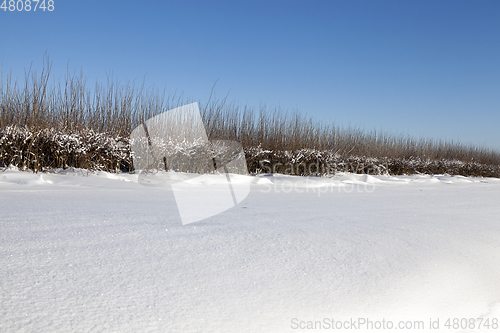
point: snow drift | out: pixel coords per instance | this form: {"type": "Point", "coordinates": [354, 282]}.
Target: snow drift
{"type": "Point", "coordinates": [94, 251]}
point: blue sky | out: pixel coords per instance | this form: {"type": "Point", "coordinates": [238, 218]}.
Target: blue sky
{"type": "Point", "coordinates": [423, 68]}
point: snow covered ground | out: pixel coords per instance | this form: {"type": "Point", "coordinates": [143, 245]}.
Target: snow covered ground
{"type": "Point", "coordinates": [97, 252]}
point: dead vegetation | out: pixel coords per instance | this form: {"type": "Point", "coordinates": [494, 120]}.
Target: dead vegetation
{"type": "Point", "coordinates": [46, 125]}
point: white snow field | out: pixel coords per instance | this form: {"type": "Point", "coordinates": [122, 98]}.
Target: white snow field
{"type": "Point", "coordinates": [98, 252]}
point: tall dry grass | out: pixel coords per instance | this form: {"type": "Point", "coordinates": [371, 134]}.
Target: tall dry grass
{"type": "Point", "coordinates": [279, 130]}
{"type": "Point", "coordinates": [114, 109]}
{"type": "Point", "coordinates": [111, 108]}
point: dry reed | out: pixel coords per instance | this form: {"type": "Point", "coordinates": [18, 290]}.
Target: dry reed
{"type": "Point", "coordinates": [51, 111]}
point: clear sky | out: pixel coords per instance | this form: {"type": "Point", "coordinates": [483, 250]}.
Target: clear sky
{"type": "Point", "coordinates": [423, 68]}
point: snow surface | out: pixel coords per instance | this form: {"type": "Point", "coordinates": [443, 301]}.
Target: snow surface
{"type": "Point", "coordinates": [98, 252]}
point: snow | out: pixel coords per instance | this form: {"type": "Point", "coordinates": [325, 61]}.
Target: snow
{"type": "Point", "coordinates": [92, 251]}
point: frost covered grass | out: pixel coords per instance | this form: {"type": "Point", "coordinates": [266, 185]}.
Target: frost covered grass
{"type": "Point", "coordinates": [309, 162]}
{"type": "Point", "coordinates": [46, 149]}
{"type": "Point", "coordinates": [47, 125]}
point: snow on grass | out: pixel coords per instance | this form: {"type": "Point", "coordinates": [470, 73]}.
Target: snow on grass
{"type": "Point", "coordinates": [94, 251]}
